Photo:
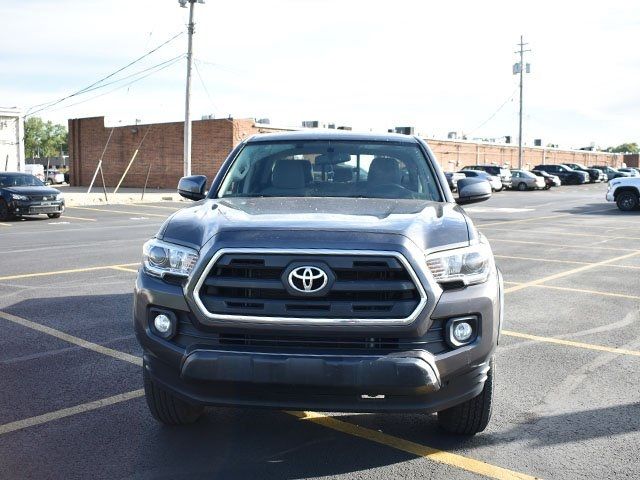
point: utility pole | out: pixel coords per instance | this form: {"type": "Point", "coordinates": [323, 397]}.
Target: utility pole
{"type": "Point", "coordinates": [520, 68]}
{"type": "Point", "coordinates": [187, 101]}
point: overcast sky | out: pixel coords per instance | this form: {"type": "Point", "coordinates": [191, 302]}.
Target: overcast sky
{"type": "Point", "coordinates": [438, 66]}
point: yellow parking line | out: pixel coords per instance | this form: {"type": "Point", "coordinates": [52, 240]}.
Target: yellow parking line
{"type": "Point", "coordinates": [67, 412]}
{"type": "Point", "coordinates": [80, 218]}
{"type": "Point", "coordinates": [569, 272]}
{"type": "Point", "coordinates": [562, 245]}
{"type": "Point", "coordinates": [5, 224]}
{"type": "Point", "coordinates": [124, 269]}
{"type": "Point", "coordinates": [120, 211]}
{"type": "Point", "coordinates": [580, 290]}
{"type": "Point", "coordinates": [158, 206]}
{"type": "Point", "coordinates": [550, 260]}
{"type": "Point", "coordinates": [439, 456]}
{"type": "Point", "coordinates": [126, 357]}
{"type": "Point", "coordinates": [570, 343]}
{"type": "Point", "coordinates": [60, 272]}
{"type": "Point", "coordinates": [572, 234]}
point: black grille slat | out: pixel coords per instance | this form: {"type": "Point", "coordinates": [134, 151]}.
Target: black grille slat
{"type": "Point", "coordinates": [364, 287]}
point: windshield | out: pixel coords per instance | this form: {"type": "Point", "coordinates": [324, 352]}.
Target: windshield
{"type": "Point", "coordinates": [314, 168]}
{"type": "Point", "coordinates": [20, 181]}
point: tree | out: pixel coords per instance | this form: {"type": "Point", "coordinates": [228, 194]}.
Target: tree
{"type": "Point", "coordinates": [44, 139]}
{"type": "Point", "coordinates": [625, 148]}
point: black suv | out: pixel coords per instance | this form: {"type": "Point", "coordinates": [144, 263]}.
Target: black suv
{"type": "Point", "coordinates": [567, 175]}
{"type": "Point", "coordinates": [595, 174]}
{"type": "Point", "coordinates": [289, 285]}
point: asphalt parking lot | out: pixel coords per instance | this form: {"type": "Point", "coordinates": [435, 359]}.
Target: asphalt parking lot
{"type": "Point", "coordinates": [568, 385]}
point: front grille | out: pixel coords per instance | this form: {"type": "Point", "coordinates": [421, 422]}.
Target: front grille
{"type": "Point", "coordinates": [364, 287]}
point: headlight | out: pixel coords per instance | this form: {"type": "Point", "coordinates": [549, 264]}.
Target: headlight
{"type": "Point", "coordinates": [58, 197]}
{"type": "Point", "coordinates": [19, 197]}
{"type": "Point", "coordinates": [160, 258]}
{"type": "Point", "coordinates": [470, 265]}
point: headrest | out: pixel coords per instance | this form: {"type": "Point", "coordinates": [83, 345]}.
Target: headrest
{"type": "Point", "coordinates": [384, 170]}
{"type": "Point", "coordinates": [288, 174]}
{"type": "Point", "coordinates": [342, 174]}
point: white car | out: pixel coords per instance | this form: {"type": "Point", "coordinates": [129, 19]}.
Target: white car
{"type": "Point", "coordinates": [625, 191]}
{"type": "Point", "coordinates": [54, 176]}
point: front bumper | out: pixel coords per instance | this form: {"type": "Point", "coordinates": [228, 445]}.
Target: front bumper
{"type": "Point", "coordinates": [27, 207]}
{"type": "Point", "coordinates": [337, 380]}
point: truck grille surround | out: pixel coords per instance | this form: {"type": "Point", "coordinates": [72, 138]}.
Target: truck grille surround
{"type": "Point", "coordinates": [362, 285]}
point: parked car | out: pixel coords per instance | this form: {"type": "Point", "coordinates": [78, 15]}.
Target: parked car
{"type": "Point", "coordinates": [504, 174]}
{"type": "Point", "coordinates": [550, 180]}
{"type": "Point", "coordinates": [595, 174]}
{"type": "Point", "coordinates": [495, 182]}
{"type": "Point", "coordinates": [53, 176]}
{"type": "Point", "coordinates": [625, 192]}
{"type": "Point", "coordinates": [612, 172]}
{"type": "Point", "coordinates": [523, 180]}
{"type": "Point", "coordinates": [452, 179]}
{"type": "Point", "coordinates": [631, 171]}
{"type": "Point", "coordinates": [23, 194]}
{"type": "Point", "coordinates": [276, 293]}
{"type": "Point", "coordinates": [566, 174]}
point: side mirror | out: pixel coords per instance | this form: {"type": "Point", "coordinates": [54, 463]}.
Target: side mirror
{"type": "Point", "coordinates": [473, 190]}
{"type": "Point", "coordinates": [193, 187]}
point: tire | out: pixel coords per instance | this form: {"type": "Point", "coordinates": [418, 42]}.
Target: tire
{"type": "Point", "coordinates": [522, 186]}
{"type": "Point", "coordinates": [53, 215]}
{"type": "Point", "coordinates": [4, 211]}
{"type": "Point", "coordinates": [472, 416]}
{"type": "Point", "coordinates": [627, 201]}
{"type": "Point", "coordinates": [165, 407]}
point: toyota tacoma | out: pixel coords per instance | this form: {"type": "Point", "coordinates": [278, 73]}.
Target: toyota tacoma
{"type": "Point", "coordinates": [322, 271]}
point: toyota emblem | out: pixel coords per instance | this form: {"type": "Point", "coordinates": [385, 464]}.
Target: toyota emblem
{"type": "Point", "coordinates": [308, 279]}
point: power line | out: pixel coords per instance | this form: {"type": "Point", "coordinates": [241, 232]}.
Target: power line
{"type": "Point", "coordinates": [176, 60]}
{"type": "Point", "coordinates": [47, 105]}
{"type": "Point", "coordinates": [494, 113]}
{"type": "Point", "coordinates": [206, 90]}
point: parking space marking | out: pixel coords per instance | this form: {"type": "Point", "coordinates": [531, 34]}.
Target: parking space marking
{"type": "Point", "coordinates": [417, 449]}
{"type": "Point", "coordinates": [571, 234]}
{"type": "Point", "coordinates": [562, 245]}
{"type": "Point", "coordinates": [158, 206]}
{"type": "Point", "coordinates": [81, 218]}
{"type": "Point", "coordinates": [580, 290]}
{"type": "Point", "coordinates": [67, 412]}
{"type": "Point", "coordinates": [569, 272]}
{"type": "Point", "coordinates": [119, 211]}
{"type": "Point", "coordinates": [124, 269]}
{"type": "Point", "coordinates": [571, 343]}
{"type": "Point", "coordinates": [5, 224]}
{"type": "Point", "coordinates": [532, 219]}
{"type": "Point", "coordinates": [550, 260]}
{"type": "Point", "coordinates": [60, 272]}
{"type": "Point", "coordinates": [126, 357]}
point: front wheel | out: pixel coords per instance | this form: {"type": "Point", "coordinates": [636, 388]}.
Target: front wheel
{"type": "Point", "coordinates": [4, 211]}
{"type": "Point", "coordinates": [522, 186]}
{"type": "Point", "coordinates": [165, 407]}
{"type": "Point", "coordinates": [472, 416]}
{"type": "Point", "coordinates": [627, 201]}
{"type": "Point", "coordinates": [53, 215]}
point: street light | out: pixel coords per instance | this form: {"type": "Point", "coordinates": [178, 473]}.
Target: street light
{"type": "Point", "coordinates": [187, 103]}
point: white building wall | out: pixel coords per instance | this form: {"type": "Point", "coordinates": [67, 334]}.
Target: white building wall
{"type": "Point", "coordinates": [11, 140]}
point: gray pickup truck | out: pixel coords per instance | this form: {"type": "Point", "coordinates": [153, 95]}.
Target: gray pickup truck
{"type": "Point", "coordinates": [324, 271]}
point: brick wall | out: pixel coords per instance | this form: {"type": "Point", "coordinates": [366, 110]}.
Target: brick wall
{"type": "Point", "coordinates": [632, 160]}
{"type": "Point", "coordinates": [454, 155]}
{"type": "Point", "coordinates": [162, 150]}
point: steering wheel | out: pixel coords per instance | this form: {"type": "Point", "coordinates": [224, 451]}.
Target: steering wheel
{"type": "Point", "coordinates": [391, 190]}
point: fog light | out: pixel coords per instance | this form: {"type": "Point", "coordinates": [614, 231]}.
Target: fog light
{"type": "Point", "coordinates": [462, 332]}
{"type": "Point", "coordinates": [162, 323]}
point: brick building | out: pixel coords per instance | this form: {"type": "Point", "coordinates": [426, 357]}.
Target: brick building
{"type": "Point", "coordinates": [162, 151]}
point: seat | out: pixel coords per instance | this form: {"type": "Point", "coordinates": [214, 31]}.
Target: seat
{"type": "Point", "coordinates": [383, 171]}
{"type": "Point", "coordinates": [287, 179]}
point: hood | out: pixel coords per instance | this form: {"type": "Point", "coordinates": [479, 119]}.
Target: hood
{"type": "Point", "coordinates": [32, 190]}
{"type": "Point", "coordinates": [428, 224]}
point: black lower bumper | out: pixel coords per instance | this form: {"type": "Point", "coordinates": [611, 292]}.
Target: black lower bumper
{"type": "Point", "coordinates": [26, 208]}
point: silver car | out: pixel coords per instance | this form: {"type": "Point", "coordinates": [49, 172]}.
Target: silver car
{"type": "Point", "coordinates": [523, 180]}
